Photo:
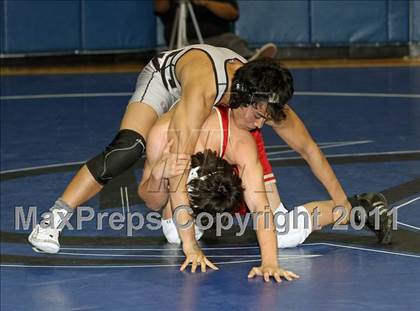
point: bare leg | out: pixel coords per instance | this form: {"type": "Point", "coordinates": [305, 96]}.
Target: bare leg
{"type": "Point", "coordinates": [81, 188]}
{"type": "Point", "coordinates": [327, 213]}
{"type": "Point", "coordinates": [326, 209]}
{"type": "Point", "coordinates": [138, 117]}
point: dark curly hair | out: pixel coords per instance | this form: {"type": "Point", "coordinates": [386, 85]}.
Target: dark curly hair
{"type": "Point", "coordinates": [217, 188]}
{"type": "Point", "coordinates": [263, 80]}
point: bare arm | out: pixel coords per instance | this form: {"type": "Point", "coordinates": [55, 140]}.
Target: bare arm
{"type": "Point", "coordinates": [198, 93]}
{"type": "Point", "coordinates": [294, 133]}
{"type": "Point", "coordinates": [160, 164]}
{"type": "Point", "coordinates": [153, 190]}
{"type": "Point", "coordinates": [251, 172]}
{"type": "Point", "coordinates": [256, 199]}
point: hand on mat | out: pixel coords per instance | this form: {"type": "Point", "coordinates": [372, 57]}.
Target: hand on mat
{"type": "Point", "coordinates": [275, 272]}
{"type": "Point", "coordinates": [195, 256]}
{"type": "Point", "coordinates": [170, 164]}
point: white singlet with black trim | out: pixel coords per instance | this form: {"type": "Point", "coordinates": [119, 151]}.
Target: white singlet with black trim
{"type": "Point", "coordinates": [158, 86]}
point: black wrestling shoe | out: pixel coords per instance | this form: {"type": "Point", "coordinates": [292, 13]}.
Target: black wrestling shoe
{"type": "Point", "coordinates": [371, 202]}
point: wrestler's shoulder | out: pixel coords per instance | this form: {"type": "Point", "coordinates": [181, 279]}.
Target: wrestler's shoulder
{"type": "Point", "coordinates": [195, 61]}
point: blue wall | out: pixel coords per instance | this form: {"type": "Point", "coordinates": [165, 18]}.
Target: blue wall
{"type": "Point", "coordinates": [118, 25]}
{"type": "Point", "coordinates": [38, 26]}
{"type": "Point", "coordinates": [328, 23]}
{"type": "Point", "coordinates": [415, 17]}
{"type": "Point", "coordinates": [33, 25]}
{"type": "Point", "coordinates": [44, 26]}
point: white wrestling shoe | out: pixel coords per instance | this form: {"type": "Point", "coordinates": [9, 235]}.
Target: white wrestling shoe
{"type": "Point", "coordinates": [45, 239]}
{"type": "Point", "coordinates": [267, 50]}
{"type": "Point", "coordinates": [171, 234]}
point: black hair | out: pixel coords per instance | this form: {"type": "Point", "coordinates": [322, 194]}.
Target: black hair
{"type": "Point", "coordinates": [218, 188]}
{"type": "Point", "coordinates": [263, 80]}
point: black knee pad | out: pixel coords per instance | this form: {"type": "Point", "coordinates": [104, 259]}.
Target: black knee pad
{"type": "Point", "coordinates": [126, 148]}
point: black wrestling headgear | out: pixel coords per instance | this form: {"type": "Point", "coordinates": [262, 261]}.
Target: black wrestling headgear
{"type": "Point", "coordinates": [261, 80]}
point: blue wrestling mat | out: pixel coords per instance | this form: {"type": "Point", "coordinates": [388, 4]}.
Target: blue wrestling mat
{"type": "Point", "coordinates": [366, 120]}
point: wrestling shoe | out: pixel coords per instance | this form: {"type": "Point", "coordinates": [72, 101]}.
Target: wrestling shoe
{"type": "Point", "coordinates": [370, 202]}
{"type": "Point", "coordinates": [267, 50]}
{"type": "Point", "coordinates": [45, 239]}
